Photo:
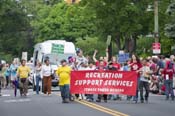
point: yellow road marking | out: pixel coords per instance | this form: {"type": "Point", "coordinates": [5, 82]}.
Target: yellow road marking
{"type": "Point", "coordinates": [105, 111]}
{"type": "Point", "coordinates": [101, 108]}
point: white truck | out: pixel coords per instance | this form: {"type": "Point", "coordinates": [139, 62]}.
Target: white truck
{"type": "Point", "coordinates": [55, 50]}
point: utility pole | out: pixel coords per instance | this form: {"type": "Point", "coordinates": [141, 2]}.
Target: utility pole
{"type": "Point", "coordinates": [156, 45]}
{"type": "Point", "coordinates": [156, 21]}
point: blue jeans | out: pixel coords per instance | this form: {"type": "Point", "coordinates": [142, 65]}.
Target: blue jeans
{"type": "Point", "coordinates": [169, 88]}
{"type": "Point", "coordinates": [38, 78]}
{"type": "Point", "coordinates": [135, 98]}
{"type": "Point", "coordinates": [65, 91]}
{"type": "Point", "coordinates": [90, 97]}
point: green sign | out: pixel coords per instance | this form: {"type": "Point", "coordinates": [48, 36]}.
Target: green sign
{"type": "Point", "coordinates": [57, 49]}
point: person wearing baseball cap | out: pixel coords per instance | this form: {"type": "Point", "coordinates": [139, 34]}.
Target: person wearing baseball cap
{"type": "Point", "coordinates": [64, 80]}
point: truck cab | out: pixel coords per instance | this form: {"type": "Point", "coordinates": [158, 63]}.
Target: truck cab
{"type": "Point", "coordinates": [55, 51]}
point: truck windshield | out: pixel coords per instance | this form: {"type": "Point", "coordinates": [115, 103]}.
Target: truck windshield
{"type": "Point", "coordinates": [56, 58]}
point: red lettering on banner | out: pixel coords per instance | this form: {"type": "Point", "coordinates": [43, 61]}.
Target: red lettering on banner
{"type": "Point", "coordinates": [106, 82]}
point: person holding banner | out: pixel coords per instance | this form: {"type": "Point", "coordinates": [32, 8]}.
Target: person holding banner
{"type": "Point", "coordinates": [64, 80]}
{"type": "Point", "coordinates": [90, 97]}
{"type": "Point", "coordinates": [135, 65]}
{"type": "Point", "coordinates": [144, 81]}
{"type": "Point", "coordinates": [115, 63]}
{"type": "Point", "coordinates": [82, 67]}
{"type": "Point", "coordinates": [112, 68]}
{"type": "Point", "coordinates": [101, 67]}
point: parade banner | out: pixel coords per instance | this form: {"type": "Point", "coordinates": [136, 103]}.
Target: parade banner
{"type": "Point", "coordinates": [103, 82]}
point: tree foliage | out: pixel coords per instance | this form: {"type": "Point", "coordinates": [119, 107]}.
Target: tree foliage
{"type": "Point", "coordinates": [63, 21]}
{"type": "Point", "coordinates": [13, 26]}
{"type": "Point", "coordinates": [170, 26]}
{"type": "Point", "coordinates": [27, 22]}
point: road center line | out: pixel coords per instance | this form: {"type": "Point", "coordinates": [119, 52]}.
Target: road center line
{"type": "Point", "coordinates": [97, 108]}
{"type": "Point", "coordinates": [100, 108]}
{"type": "Point", "coordinates": [103, 109]}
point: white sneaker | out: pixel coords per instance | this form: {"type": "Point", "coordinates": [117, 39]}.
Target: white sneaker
{"type": "Point", "coordinates": [79, 98]}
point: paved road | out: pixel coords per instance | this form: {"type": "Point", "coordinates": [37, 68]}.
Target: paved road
{"type": "Point", "coordinates": [40, 105]}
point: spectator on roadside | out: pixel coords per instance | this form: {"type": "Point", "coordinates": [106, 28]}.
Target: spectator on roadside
{"type": "Point", "coordinates": [38, 76]}
{"type": "Point", "coordinates": [2, 75]}
{"type": "Point", "coordinates": [7, 75]}
{"type": "Point", "coordinates": [46, 72]}
{"type": "Point", "coordinates": [23, 72]}
{"type": "Point", "coordinates": [0, 78]}
{"type": "Point", "coordinates": [172, 58]}
{"type": "Point", "coordinates": [64, 80]}
{"type": "Point", "coordinates": [160, 64]}
{"type": "Point", "coordinates": [144, 81]}
{"type": "Point", "coordinates": [168, 73]}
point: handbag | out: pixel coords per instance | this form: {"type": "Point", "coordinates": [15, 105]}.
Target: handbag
{"type": "Point", "coordinates": [52, 75]}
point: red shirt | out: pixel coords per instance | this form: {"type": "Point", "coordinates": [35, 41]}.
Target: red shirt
{"type": "Point", "coordinates": [168, 72]}
{"type": "Point", "coordinates": [97, 63]}
{"type": "Point", "coordinates": [116, 65]}
{"type": "Point", "coordinates": [135, 66]}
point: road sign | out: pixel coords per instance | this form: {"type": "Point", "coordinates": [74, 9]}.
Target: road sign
{"type": "Point", "coordinates": [24, 56]}
{"type": "Point", "coordinates": [57, 48]}
{"type": "Point", "coordinates": [156, 48]}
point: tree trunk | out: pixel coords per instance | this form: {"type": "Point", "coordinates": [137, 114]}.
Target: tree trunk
{"type": "Point", "coordinates": [127, 41]}
{"type": "Point", "coordinates": [118, 43]}
{"type": "Point", "coordinates": [134, 45]}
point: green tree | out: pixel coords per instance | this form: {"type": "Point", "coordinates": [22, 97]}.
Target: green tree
{"type": "Point", "coordinates": [63, 21]}
{"type": "Point", "coordinates": [13, 26]}
{"type": "Point", "coordinates": [170, 26]}
{"type": "Point", "coordinates": [123, 19]}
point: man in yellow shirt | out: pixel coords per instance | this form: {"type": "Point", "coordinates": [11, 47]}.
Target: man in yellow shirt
{"type": "Point", "coordinates": [23, 73]}
{"type": "Point", "coordinates": [64, 80]}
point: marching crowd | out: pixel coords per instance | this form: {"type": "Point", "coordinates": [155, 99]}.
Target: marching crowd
{"type": "Point", "coordinates": [154, 74]}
